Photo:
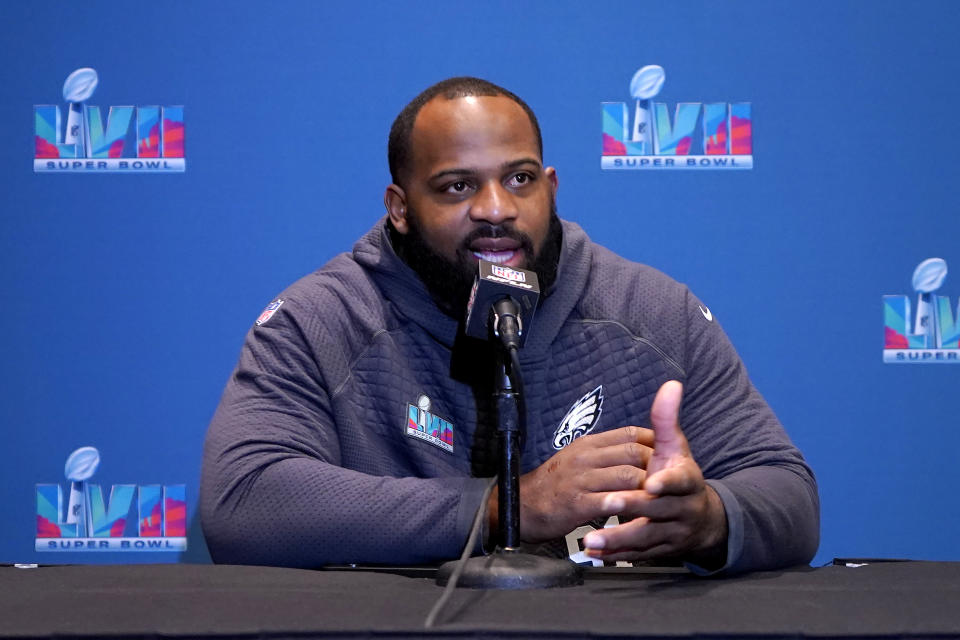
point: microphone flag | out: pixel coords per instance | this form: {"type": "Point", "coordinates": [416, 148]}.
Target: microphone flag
{"type": "Point", "coordinates": [495, 282]}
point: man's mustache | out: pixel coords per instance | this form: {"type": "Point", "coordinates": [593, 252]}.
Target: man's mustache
{"type": "Point", "coordinates": [499, 231]}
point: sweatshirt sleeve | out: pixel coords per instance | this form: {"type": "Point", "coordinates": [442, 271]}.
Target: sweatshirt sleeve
{"type": "Point", "coordinates": [768, 490]}
{"type": "Point", "coordinates": [273, 490]}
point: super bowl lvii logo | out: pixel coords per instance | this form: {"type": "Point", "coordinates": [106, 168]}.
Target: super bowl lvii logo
{"type": "Point", "coordinates": [932, 334]}
{"type": "Point", "coordinates": [92, 524]}
{"type": "Point", "coordinates": [724, 139]}
{"type": "Point", "coordinates": [88, 145]}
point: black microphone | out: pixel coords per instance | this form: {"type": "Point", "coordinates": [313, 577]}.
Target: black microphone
{"type": "Point", "coordinates": [506, 297]}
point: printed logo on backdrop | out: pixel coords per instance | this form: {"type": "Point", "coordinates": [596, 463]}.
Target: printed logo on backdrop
{"type": "Point", "coordinates": [723, 139]}
{"type": "Point", "coordinates": [91, 522]}
{"type": "Point", "coordinates": [929, 334]}
{"type": "Point", "coordinates": [427, 426]}
{"type": "Point", "coordinates": [151, 142]}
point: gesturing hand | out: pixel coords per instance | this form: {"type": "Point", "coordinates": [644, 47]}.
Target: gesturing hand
{"type": "Point", "coordinates": [587, 479]}
{"type": "Point", "coordinates": [676, 514]}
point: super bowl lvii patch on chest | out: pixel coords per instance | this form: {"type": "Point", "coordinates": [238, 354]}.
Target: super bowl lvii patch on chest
{"type": "Point", "coordinates": [427, 426]}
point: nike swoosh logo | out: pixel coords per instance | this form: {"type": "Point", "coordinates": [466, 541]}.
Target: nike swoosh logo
{"type": "Point", "coordinates": [706, 313]}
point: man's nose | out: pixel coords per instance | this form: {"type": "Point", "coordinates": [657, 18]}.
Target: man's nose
{"type": "Point", "coordinates": [493, 203]}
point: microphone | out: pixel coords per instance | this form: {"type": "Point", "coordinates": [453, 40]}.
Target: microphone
{"type": "Point", "coordinates": [502, 300]}
{"type": "Point", "coordinates": [502, 303]}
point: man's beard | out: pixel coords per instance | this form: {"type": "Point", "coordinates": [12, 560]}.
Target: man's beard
{"type": "Point", "coordinates": [449, 282]}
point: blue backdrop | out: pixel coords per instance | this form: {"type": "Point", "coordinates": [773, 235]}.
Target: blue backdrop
{"type": "Point", "coordinates": [128, 296]}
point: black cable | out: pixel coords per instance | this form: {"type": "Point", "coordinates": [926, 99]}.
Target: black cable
{"type": "Point", "coordinates": [471, 542]}
{"type": "Point", "coordinates": [516, 379]}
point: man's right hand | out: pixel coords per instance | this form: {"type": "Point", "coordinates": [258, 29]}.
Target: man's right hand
{"type": "Point", "coordinates": [577, 484]}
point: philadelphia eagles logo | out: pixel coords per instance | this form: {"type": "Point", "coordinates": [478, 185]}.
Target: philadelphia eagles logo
{"type": "Point", "coordinates": [580, 420]}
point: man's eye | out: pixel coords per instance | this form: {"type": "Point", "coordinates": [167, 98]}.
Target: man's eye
{"type": "Point", "coordinates": [521, 179]}
{"type": "Point", "coordinates": [458, 187]}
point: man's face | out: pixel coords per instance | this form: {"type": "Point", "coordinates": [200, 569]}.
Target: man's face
{"type": "Point", "coordinates": [475, 186]}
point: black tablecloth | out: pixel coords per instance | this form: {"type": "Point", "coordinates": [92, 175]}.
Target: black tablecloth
{"type": "Point", "coordinates": [902, 599]}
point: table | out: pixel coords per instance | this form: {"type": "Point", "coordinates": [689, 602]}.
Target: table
{"type": "Point", "coordinates": [882, 599]}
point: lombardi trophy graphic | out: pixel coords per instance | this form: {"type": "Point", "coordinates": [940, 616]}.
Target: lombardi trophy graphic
{"type": "Point", "coordinates": [927, 278]}
{"type": "Point", "coordinates": [77, 89]}
{"type": "Point", "coordinates": [80, 467]}
{"type": "Point", "coordinates": [646, 84]}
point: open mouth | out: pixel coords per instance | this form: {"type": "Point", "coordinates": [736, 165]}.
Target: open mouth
{"type": "Point", "coordinates": [497, 257]}
{"type": "Point", "coordinates": [497, 250]}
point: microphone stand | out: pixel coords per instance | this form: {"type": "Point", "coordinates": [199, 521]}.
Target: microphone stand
{"type": "Point", "coordinates": [508, 567]}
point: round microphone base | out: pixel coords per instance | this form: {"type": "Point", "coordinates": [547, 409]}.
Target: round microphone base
{"type": "Point", "coordinates": [512, 570]}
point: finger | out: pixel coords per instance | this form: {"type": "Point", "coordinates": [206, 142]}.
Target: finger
{"type": "Point", "coordinates": [668, 440]}
{"type": "Point", "coordinates": [640, 435]}
{"type": "Point", "coordinates": [589, 505]}
{"type": "Point", "coordinates": [622, 478]}
{"type": "Point", "coordinates": [640, 535]}
{"type": "Point", "coordinates": [680, 480]}
{"type": "Point", "coordinates": [640, 504]}
{"type": "Point", "coordinates": [602, 540]}
{"type": "Point", "coordinates": [630, 555]}
{"type": "Point", "coordinates": [670, 447]}
{"type": "Point", "coordinates": [590, 457]}
{"type": "Point", "coordinates": [631, 453]}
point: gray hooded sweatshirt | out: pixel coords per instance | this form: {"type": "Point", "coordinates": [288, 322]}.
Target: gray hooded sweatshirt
{"type": "Point", "coordinates": [358, 424]}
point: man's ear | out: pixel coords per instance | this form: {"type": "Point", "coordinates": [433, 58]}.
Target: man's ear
{"type": "Point", "coordinates": [553, 178]}
{"type": "Point", "coordinates": [395, 200]}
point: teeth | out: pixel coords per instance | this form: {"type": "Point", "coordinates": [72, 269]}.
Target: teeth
{"type": "Point", "coordinates": [497, 257]}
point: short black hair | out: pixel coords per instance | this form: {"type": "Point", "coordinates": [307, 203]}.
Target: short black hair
{"type": "Point", "coordinates": [398, 146]}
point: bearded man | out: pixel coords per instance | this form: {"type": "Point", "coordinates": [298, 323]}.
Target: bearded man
{"type": "Point", "coordinates": [358, 424]}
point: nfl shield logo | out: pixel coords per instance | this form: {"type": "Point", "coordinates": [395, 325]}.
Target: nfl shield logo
{"type": "Point", "coordinates": [508, 273]}
{"type": "Point", "coordinates": [269, 311]}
